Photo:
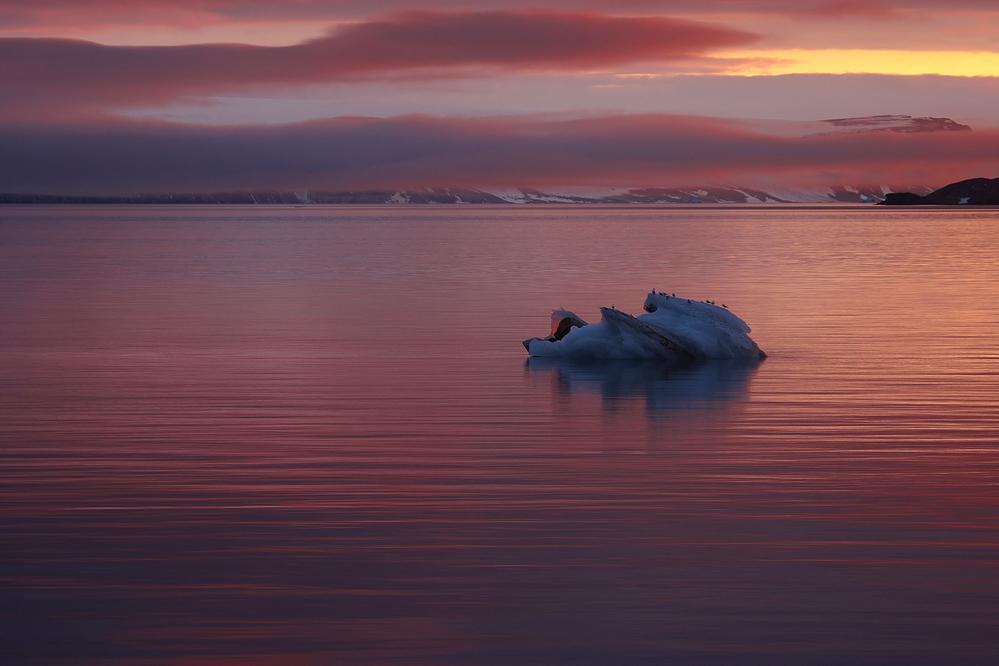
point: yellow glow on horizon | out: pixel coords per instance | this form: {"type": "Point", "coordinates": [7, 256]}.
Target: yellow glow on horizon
{"type": "Point", "coordinates": [862, 61]}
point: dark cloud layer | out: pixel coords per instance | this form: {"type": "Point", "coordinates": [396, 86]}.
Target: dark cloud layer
{"type": "Point", "coordinates": [47, 76]}
{"type": "Point", "coordinates": [417, 151]}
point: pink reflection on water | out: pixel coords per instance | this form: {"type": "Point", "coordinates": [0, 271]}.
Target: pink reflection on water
{"type": "Point", "coordinates": [317, 439]}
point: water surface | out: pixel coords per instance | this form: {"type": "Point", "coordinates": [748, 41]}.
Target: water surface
{"type": "Point", "coordinates": [310, 435]}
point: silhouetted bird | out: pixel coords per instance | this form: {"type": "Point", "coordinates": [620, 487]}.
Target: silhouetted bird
{"type": "Point", "coordinates": [724, 306]}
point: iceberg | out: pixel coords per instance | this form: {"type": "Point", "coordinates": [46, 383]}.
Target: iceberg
{"type": "Point", "coordinates": [673, 328]}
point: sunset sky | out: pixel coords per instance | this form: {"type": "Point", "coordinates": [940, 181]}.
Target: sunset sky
{"type": "Point", "coordinates": [107, 97]}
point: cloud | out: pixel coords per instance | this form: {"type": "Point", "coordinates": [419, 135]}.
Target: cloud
{"type": "Point", "coordinates": [37, 74]}
{"type": "Point", "coordinates": [25, 13]}
{"type": "Point", "coordinates": [432, 151]}
{"type": "Point", "coordinates": [851, 8]}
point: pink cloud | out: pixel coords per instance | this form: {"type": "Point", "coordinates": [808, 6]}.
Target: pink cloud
{"type": "Point", "coordinates": [428, 151]}
{"type": "Point", "coordinates": [25, 13]}
{"type": "Point", "coordinates": [40, 73]}
{"type": "Point", "coordinates": [849, 8]}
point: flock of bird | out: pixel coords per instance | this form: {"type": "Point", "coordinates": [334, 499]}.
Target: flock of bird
{"type": "Point", "coordinates": [688, 300]}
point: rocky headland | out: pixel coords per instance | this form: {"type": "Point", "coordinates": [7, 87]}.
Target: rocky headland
{"type": "Point", "coordinates": [971, 192]}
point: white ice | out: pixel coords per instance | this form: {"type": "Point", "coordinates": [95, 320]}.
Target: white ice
{"type": "Point", "coordinates": [673, 328]}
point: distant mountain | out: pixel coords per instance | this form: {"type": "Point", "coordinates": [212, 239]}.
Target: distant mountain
{"type": "Point", "coordinates": [971, 192]}
{"type": "Point", "coordinates": [714, 194]}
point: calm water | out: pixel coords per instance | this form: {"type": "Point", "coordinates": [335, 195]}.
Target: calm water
{"type": "Point", "coordinates": [305, 436]}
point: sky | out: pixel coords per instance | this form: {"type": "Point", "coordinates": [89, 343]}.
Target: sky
{"type": "Point", "coordinates": [113, 98]}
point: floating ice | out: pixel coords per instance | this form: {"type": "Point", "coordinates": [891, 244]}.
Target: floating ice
{"type": "Point", "coordinates": [674, 328]}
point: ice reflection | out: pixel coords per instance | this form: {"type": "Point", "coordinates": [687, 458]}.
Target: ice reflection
{"type": "Point", "coordinates": [664, 387]}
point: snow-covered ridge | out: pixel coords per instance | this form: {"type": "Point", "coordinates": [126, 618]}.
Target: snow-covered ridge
{"type": "Point", "coordinates": [705, 194]}
{"type": "Point", "coordinates": [712, 194]}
